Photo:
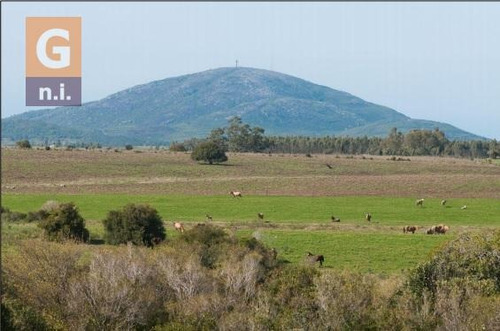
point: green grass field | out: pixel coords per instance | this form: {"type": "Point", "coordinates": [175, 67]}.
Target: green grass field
{"type": "Point", "coordinates": [295, 225]}
{"type": "Point", "coordinates": [280, 209]}
{"type": "Point", "coordinates": [370, 252]}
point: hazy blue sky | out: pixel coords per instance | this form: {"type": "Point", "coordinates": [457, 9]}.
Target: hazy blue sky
{"type": "Point", "coordinates": [436, 61]}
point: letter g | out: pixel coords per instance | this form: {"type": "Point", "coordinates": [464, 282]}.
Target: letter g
{"type": "Point", "coordinates": [63, 51]}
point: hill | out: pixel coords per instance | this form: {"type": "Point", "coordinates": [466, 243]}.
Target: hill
{"type": "Point", "coordinates": [191, 105]}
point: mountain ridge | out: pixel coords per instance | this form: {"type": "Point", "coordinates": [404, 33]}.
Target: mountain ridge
{"type": "Point", "coordinates": [188, 106]}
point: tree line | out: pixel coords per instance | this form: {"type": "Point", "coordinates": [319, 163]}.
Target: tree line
{"type": "Point", "coordinates": [240, 137]}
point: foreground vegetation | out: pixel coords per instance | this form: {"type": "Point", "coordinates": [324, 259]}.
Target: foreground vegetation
{"type": "Point", "coordinates": [206, 279]}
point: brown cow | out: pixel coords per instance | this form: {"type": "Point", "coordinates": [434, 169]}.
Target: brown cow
{"type": "Point", "coordinates": [438, 229]}
{"type": "Point", "coordinates": [410, 228]}
{"type": "Point", "coordinates": [441, 229]}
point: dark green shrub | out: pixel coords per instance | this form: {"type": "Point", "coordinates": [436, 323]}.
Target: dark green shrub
{"type": "Point", "coordinates": [212, 240]}
{"type": "Point", "coordinates": [129, 147]}
{"type": "Point", "coordinates": [64, 223]}
{"type": "Point", "coordinates": [139, 224]}
{"type": "Point", "coordinates": [209, 152]}
{"type": "Point", "coordinates": [471, 256]}
{"type": "Point", "coordinates": [208, 235]}
{"type": "Point", "coordinates": [25, 144]}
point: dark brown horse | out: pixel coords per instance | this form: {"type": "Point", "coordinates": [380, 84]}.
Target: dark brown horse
{"type": "Point", "coordinates": [316, 258]}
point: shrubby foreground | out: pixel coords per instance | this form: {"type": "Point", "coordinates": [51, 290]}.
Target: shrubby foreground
{"type": "Point", "coordinates": [207, 279]}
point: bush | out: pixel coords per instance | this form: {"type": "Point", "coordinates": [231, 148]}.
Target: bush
{"type": "Point", "coordinates": [211, 239]}
{"type": "Point", "coordinates": [12, 216]}
{"type": "Point", "coordinates": [209, 152]}
{"type": "Point", "coordinates": [37, 216]}
{"type": "Point", "coordinates": [139, 224]}
{"type": "Point", "coordinates": [129, 147]}
{"type": "Point", "coordinates": [25, 144]}
{"type": "Point", "coordinates": [208, 235]}
{"type": "Point", "coordinates": [64, 222]}
{"type": "Point", "coordinates": [177, 147]}
{"type": "Point", "coordinates": [472, 257]}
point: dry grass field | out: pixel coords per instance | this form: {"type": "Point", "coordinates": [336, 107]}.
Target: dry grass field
{"type": "Point", "coordinates": [162, 172]}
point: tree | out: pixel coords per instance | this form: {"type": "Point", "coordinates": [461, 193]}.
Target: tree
{"type": "Point", "coordinates": [218, 137]}
{"type": "Point", "coordinates": [25, 144]}
{"type": "Point", "coordinates": [243, 138]}
{"type": "Point", "coordinates": [393, 142]}
{"type": "Point", "coordinates": [64, 222]}
{"type": "Point", "coordinates": [209, 152]}
{"type": "Point", "coordinates": [139, 224]}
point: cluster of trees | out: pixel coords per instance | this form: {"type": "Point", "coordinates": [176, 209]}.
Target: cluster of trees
{"type": "Point", "coordinates": [413, 143]}
{"type": "Point", "coordinates": [236, 137]}
{"type": "Point", "coordinates": [137, 224]}
{"type": "Point", "coordinates": [240, 137]}
{"type": "Point", "coordinates": [206, 279]}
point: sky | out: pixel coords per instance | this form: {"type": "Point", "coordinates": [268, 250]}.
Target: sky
{"type": "Point", "coordinates": [434, 61]}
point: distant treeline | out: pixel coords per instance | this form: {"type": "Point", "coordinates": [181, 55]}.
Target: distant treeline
{"type": "Point", "coordinates": [413, 143]}
{"type": "Point", "coordinates": [240, 137]}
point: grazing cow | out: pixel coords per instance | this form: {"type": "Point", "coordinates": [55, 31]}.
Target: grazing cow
{"type": "Point", "coordinates": [316, 258]}
{"type": "Point", "coordinates": [261, 216]}
{"type": "Point", "coordinates": [236, 194]}
{"type": "Point", "coordinates": [464, 207]}
{"type": "Point", "coordinates": [443, 202]}
{"type": "Point", "coordinates": [335, 219]}
{"type": "Point", "coordinates": [368, 217]}
{"type": "Point", "coordinates": [419, 202]}
{"type": "Point", "coordinates": [410, 228]}
{"type": "Point", "coordinates": [178, 227]}
{"type": "Point", "coordinates": [438, 229]}
{"type": "Point", "coordinates": [209, 218]}
{"type": "Point", "coordinates": [441, 229]}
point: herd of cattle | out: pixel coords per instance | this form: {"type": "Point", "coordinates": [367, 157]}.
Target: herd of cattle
{"type": "Point", "coordinates": [436, 229]}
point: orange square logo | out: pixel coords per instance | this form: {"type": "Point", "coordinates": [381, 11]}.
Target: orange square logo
{"type": "Point", "coordinates": [53, 47]}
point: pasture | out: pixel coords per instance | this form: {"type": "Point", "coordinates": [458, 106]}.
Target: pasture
{"type": "Point", "coordinates": [297, 195]}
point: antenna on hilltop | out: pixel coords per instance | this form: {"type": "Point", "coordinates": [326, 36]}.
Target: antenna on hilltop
{"type": "Point", "coordinates": [236, 63]}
